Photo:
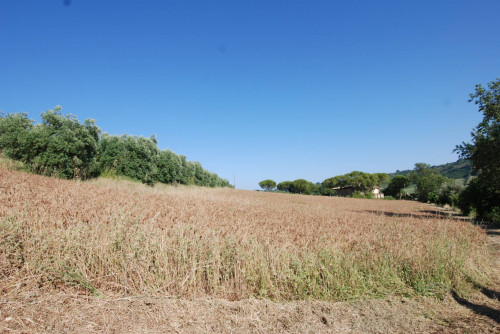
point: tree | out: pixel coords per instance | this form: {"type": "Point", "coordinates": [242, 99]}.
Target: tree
{"type": "Point", "coordinates": [285, 186]}
{"type": "Point", "coordinates": [62, 146]}
{"type": "Point", "coordinates": [483, 194]}
{"type": "Point", "coordinates": [267, 185]}
{"type": "Point", "coordinates": [427, 181]}
{"type": "Point", "coordinates": [169, 167]}
{"type": "Point", "coordinates": [381, 179]}
{"type": "Point", "coordinates": [397, 183]}
{"type": "Point", "coordinates": [302, 186]}
{"type": "Point", "coordinates": [450, 191]}
{"type": "Point", "coordinates": [14, 131]}
{"type": "Point", "coordinates": [59, 146]}
{"type": "Point", "coordinates": [135, 157]}
{"type": "Point", "coordinates": [360, 181]}
{"type": "Point", "coordinates": [333, 182]}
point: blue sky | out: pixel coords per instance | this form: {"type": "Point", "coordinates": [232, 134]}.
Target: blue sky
{"type": "Point", "coordinates": [260, 89]}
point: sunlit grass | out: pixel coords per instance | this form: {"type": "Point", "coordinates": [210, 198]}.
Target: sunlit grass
{"type": "Point", "coordinates": [118, 237]}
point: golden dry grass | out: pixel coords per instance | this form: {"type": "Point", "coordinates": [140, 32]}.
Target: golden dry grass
{"type": "Point", "coordinates": [62, 313]}
{"type": "Point", "coordinates": [122, 238]}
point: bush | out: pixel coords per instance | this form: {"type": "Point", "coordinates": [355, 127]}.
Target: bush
{"type": "Point", "coordinates": [433, 197]}
{"type": "Point", "coordinates": [478, 197]}
{"type": "Point", "coordinates": [428, 182]}
{"type": "Point", "coordinates": [449, 193]}
{"type": "Point", "coordinates": [369, 195]}
{"type": "Point", "coordinates": [59, 146]}
{"type": "Point", "coordinates": [131, 156]}
{"type": "Point", "coordinates": [14, 130]}
{"type": "Point", "coordinates": [62, 146]}
{"type": "Point", "coordinates": [396, 185]}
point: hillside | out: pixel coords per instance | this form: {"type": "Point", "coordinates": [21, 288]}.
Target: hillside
{"type": "Point", "coordinates": [106, 255]}
{"type": "Point", "coordinates": [460, 169]}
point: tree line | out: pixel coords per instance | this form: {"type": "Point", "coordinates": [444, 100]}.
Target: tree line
{"type": "Point", "coordinates": [479, 194]}
{"type": "Point", "coordinates": [428, 183]}
{"type": "Point", "coordinates": [63, 146]}
{"type": "Point", "coordinates": [361, 183]}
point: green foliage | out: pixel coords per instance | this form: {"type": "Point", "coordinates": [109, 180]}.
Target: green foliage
{"type": "Point", "coordinates": [169, 167]}
{"type": "Point", "coordinates": [14, 131]}
{"type": "Point", "coordinates": [140, 158]}
{"type": "Point", "coordinates": [59, 146]}
{"type": "Point", "coordinates": [327, 191]}
{"type": "Point", "coordinates": [135, 157]}
{"type": "Point", "coordinates": [302, 186]}
{"type": "Point", "coordinates": [480, 198]}
{"type": "Point", "coordinates": [449, 192]}
{"type": "Point", "coordinates": [319, 189]}
{"type": "Point", "coordinates": [332, 182]}
{"type": "Point", "coordinates": [369, 195]}
{"type": "Point", "coordinates": [381, 179]}
{"type": "Point", "coordinates": [433, 197]}
{"type": "Point", "coordinates": [427, 181]}
{"type": "Point", "coordinates": [470, 198]}
{"type": "Point", "coordinates": [360, 181]}
{"type": "Point", "coordinates": [484, 153]}
{"type": "Point", "coordinates": [299, 186]}
{"type": "Point", "coordinates": [395, 187]}
{"type": "Point", "coordinates": [62, 146]}
{"type": "Point", "coordinates": [285, 186]}
{"type": "Point", "coordinates": [267, 185]}
{"type": "Point", "coordinates": [9, 163]}
{"type": "Point", "coordinates": [359, 194]}
{"type": "Point", "coordinates": [461, 169]}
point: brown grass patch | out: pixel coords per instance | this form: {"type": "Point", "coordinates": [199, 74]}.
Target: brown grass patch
{"type": "Point", "coordinates": [122, 238]}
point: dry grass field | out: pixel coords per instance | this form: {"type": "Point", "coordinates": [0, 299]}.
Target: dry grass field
{"type": "Point", "coordinates": [104, 256]}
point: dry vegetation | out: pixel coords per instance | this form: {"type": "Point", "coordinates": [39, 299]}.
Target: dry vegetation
{"type": "Point", "coordinates": [131, 246]}
{"type": "Point", "coordinates": [108, 237]}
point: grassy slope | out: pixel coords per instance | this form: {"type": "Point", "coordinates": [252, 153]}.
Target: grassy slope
{"type": "Point", "coordinates": [460, 169]}
{"type": "Point", "coordinates": [121, 237]}
{"type": "Point", "coordinates": [132, 244]}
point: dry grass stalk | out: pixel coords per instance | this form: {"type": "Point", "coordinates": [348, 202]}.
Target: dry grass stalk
{"type": "Point", "coordinates": [108, 237]}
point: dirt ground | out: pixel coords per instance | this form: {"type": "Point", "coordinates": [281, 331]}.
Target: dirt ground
{"type": "Point", "coordinates": [68, 313]}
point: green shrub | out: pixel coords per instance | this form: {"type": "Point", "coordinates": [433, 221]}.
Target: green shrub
{"type": "Point", "coordinates": [369, 195]}
{"type": "Point", "coordinates": [432, 197]}
{"type": "Point", "coordinates": [62, 146]}
{"type": "Point", "coordinates": [59, 146]}
{"type": "Point", "coordinates": [357, 194]}
{"type": "Point", "coordinates": [478, 197]}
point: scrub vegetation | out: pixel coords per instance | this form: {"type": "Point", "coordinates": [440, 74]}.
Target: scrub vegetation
{"type": "Point", "coordinates": [64, 147]}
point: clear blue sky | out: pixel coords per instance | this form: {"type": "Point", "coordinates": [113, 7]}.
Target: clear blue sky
{"type": "Point", "coordinates": [260, 89]}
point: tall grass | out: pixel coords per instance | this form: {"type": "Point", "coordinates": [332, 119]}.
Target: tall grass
{"type": "Point", "coordinates": [188, 242]}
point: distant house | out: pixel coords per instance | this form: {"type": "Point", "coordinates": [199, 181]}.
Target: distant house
{"type": "Point", "coordinates": [348, 191]}
{"type": "Point", "coordinates": [377, 192]}
{"type": "Point", "coordinates": [345, 191]}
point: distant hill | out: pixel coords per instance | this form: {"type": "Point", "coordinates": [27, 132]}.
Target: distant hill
{"type": "Point", "coordinates": [460, 169]}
